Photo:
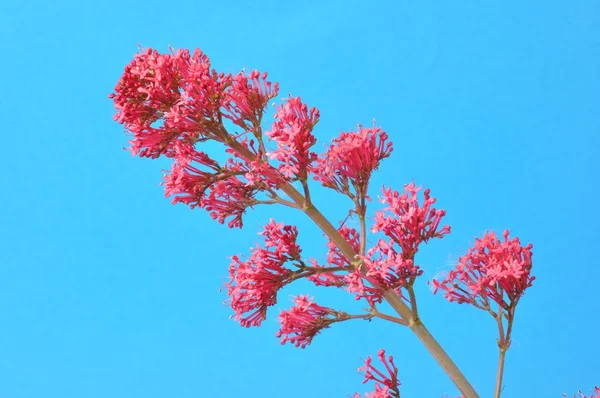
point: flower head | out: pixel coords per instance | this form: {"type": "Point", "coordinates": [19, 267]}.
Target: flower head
{"type": "Point", "coordinates": [390, 264]}
{"type": "Point", "coordinates": [351, 159]}
{"type": "Point", "coordinates": [490, 270]}
{"type": "Point", "coordinates": [386, 384]}
{"type": "Point", "coordinates": [246, 99]}
{"type": "Point", "coordinates": [199, 181]}
{"type": "Point", "coordinates": [386, 267]}
{"type": "Point", "coordinates": [301, 323]}
{"type": "Point", "coordinates": [254, 283]}
{"type": "Point", "coordinates": [292, 131]}
{"type": "Point", "coordinates": [406, 222]}
{"type": "Point", "coordinates": [171, 102]}
{"type": "Point", "coordinates": [163, 98]}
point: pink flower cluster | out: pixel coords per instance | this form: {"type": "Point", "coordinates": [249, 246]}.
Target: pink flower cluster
{"type": "Point", "coordinates": [194, 173]}
{"type": "Point", "coordinates": [490, 270]}
{"type": "Point", "coordinates": [407, 223]}
{"type": "Point", "coordinates": [246, 99]}
{"type": "Point", "coordinates": [386, 385]}
{"type": "Point", "coordinates": [292, 131]}
{"type": "Point", "coordinates": [170, 102]}
{"type": "Point", "coordinates": [254, 283]}
{"type": "Point", "coordinates": [389, 269]}
{"type": "Point", "coordinates": [304, 321]}
{"type": "Point", "coordinates": [163, 98]}
{"type": "Point", "coordinates": [351, 159]}
{"type": "Point", "coordinates": [390, 263]}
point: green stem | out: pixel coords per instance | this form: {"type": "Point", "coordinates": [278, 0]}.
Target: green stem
{"type": "Point", "coordinates": [386, 317]}
{"type": "Point", "coordinates": [499, 373]}
{"type": "Point", "coordinates": [413, 301]}
{"type": "Point", "coordinates": [503, 341]}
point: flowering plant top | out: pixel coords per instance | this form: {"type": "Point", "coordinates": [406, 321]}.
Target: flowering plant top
{"type": "Point", "coordinates": [174, 103]}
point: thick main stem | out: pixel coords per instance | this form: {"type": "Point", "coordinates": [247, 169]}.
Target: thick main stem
{"type": "Point", "coordinates": [442, 358]}
{"type": "Point", "coordinates": [434, 348]}
{"type": "Point", "coordinates": [500, 372]}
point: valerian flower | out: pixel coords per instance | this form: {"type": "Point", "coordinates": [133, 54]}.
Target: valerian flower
{"type": "Point", "coordinates": [351, 159]}
{"type": "Point", "coordinates": [254, 283]}
{"type": "Point", "coordinates": [406, 222]}
{"type": "Point", "coordinates": [246, 99]}
{"type": "Point", "coordinates": [199, 181]}
{"type": "Point", "coordinates": [171, 102]}
{"type": "Point", "coordinates": [491, 270]}
{"type": "Point", "coordinates": [387, 268]}
{"type": "Point", "coordinates": [390, 263]}
{"type": "Point", "coordinates": [163, 98]}
{"type": "Point", "coordinates": [292, 131]}
{"type": "Point", "coordinates": [386, 384]}
{"type": "Point", "coordinates": [301, 323]}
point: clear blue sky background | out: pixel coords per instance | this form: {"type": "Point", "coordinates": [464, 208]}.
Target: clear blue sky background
{"type": "Point", "coordinates": [107, 290]}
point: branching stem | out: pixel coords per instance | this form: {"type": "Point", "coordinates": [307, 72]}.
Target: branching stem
{"type": "Point", "coordinates": [417, 327]}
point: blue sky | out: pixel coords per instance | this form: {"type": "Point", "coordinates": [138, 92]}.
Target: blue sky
{"type": "Point", "coordinates": [107, 290]}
